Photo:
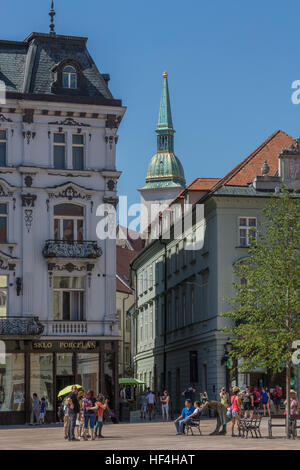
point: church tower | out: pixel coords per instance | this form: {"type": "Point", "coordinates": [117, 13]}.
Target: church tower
{"type": "Point", "coordinates": [165, 175]}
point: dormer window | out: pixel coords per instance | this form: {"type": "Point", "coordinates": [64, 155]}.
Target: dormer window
{"type": "Point", "coordinates": [69, 77]}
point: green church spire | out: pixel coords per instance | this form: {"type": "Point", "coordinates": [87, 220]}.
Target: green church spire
{"type": "Point", "coordinates": [165, 114]}
{"type": "Point", "coordinates": [165, 169]}
{"type": "Point", "coordinates": [164, 130]}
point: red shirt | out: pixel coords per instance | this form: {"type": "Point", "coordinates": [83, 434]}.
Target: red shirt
{"type": "Point", "coordinates": [100, 411]}
{"type": "Point", "coordinates": [234, 403]}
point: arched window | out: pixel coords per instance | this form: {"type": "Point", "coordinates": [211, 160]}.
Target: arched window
{"type": "Point", "coordinates": [68, 222]}
{"type": "Point", "coordinates": [69, 77]}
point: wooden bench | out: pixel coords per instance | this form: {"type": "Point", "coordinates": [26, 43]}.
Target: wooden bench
{"type": "Point", "coordinates": [293, 424]}
{"type": "Point", "coordinates": [251, 425]}
{"type": "Point", "coordinates": [193, 423]}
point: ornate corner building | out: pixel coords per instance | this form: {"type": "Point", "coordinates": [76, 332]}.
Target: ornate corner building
{"type": "Point", "coordinates": [58, 136]}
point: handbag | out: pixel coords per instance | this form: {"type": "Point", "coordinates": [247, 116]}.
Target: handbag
{"type": "Point", "coordinates": [229, 412]}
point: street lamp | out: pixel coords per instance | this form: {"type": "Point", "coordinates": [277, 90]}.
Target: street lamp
{"type": "Point", "coordinates": [228, 348]}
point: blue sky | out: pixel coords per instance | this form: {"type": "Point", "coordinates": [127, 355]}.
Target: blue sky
{"type": "Point", "coordinates": [231, 65]}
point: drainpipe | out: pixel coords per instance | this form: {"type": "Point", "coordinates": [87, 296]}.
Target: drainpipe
{"type": "Point", "coordinates": [135, 309]}
{"type": "Point", "coordinates": [124, 327]}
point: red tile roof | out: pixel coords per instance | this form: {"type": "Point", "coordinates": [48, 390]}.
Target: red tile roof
{"type": "Point", "coordinates": [202, 184]}
{"type": "Point", "coordinates": [199, 184]}
{"type": "Point", "coordinates": [124, 258]}
{"type": "Point", "coordinates": [245, 172]}
{"type": "Point", "coordinates": [133, 237]}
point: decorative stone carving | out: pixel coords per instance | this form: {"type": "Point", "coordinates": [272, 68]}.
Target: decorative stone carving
{"type": "Point", "coordinates": [28, 200]}
{"type": "Point", "coordinates": [28, 218]}
{"type": "Point", "coordinates": [112, 121]}
{"type": "Point", "coordinates": [69, 122]}
{"type": "Point", "coordinates": [265, 168]}
{"type": "Point", "coordinates": [4, 118]}
{"type": "Point", "coordinates": [110, 140]}
{"type": "Point", "coordinates": [293, 149]}
{"type": "Point", "coordinates": [4, 266]}
{"type": "Point", "coordinates": [4, 193]}
{"type": "Point", "coordinates": [28, 116]}
{"type": "Point", "coordinates": [111, 185]}
{"type": "Point", "coordinates": [71, 249]}
{"type": "Point", "coordinates": [16, 326]}
{"type": "Point", "coordinates": [28, 135]}
{"type": "Point", "coordinates": [70, 193]}
{"type": "Point", "coordinates": [28, 180]}
{"type": "Point", "coordinates": [70, 267]}
{"type": "Point", "coordinates": [113, 201]}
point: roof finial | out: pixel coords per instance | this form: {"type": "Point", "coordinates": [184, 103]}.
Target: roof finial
{"type": "Point", "coordinates": [52, 14]}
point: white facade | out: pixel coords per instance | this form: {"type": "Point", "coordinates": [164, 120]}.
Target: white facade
{"type": "Point", "coordinates": [31, 188]}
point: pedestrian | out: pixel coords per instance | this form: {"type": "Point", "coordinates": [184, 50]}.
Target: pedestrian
{"type": "Point", "coordinates": [151, 404]}
{"type": "Point", "coordinates": [43, 410]}
{"type": "Point", "coordinates": [235, 410]}
{"type": "Point", "coordinates": [73, 410]}
{"type": "Point", "coordinates": [188, 393]}
{"type": "Point", "coordinates": [90, 408]}
{"type": "Point", "coordinates": [102, 405]}
{"type": "Point", "coordinates": [123, 393]}
{"type": "Point", "coordinates": [181, 420]}
{"type": "Point", "coordinates": [294, 404]}
{"type": "Point", "coordinates": [256, 400]}
{"type": "Point", "coordinates": [247, 403]}
{"type": "Point", "coordinates": [143, 405]}
{"type": "Point", "coordinates": [277, 397]}
{"type": "Point", "coordinates": [224, 396]}
{"type": "Point", "coordinates": [294, 410]}
{"type": "Point", "coordinates": [80, 415]}
{"type": "Point", "coordinates": [265, 399]}
{"type": "Point", "coordinates": [196, 413]}
{"type": "Point", "coordinates": [165, 400]}
{"type": "Point", "coordinates": [35, 410]}
{"type": "Point", "coordinates": [65, 412]}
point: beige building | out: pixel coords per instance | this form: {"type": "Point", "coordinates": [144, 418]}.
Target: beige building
{"type": "Point", "coordinates": [125, 300]}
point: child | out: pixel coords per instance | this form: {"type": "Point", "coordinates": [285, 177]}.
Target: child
{"type": "Point", "coordinates": [102, 406]}
{"type": "Point", "coordinates": [42, 411]}
{"type": "Point", "coordinates": [80, 417]}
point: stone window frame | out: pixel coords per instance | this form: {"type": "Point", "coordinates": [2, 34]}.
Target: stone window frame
{"type": "Point", "coordinates": [57, 86]}
{"type": "Point", "coordinates": [74, 218]}
{"type": "Point", "coordinates": [72, 72]}
{"type": "Point", "coordinates": [246, 227]}
{"type": "Point", "coordinates": [67, 289]}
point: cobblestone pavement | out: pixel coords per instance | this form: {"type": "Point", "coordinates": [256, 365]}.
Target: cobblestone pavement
{"type": "Point", "coordinates": [148, 436]}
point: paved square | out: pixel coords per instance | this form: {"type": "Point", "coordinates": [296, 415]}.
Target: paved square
{"type": "Point", "coordinates": [148, 436]}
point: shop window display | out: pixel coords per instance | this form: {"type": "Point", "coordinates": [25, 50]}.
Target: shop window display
{"type": "Point", "coordinates": [12, 383]}
{"type": "Point", "coordinates": [41, 377]}
{"type": "Point", "coordinates": [88, 371]}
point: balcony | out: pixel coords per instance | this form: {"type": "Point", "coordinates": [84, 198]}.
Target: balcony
{"type": "Point", "coordinates": [21, 326]}
{"type": "Point", "coordinates": [71, 249]}
{"type": "Point", "coordinates": [79, 328]}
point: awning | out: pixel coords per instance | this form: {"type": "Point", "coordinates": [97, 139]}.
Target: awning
{"type": "Point", "coordinates": [130, 381]}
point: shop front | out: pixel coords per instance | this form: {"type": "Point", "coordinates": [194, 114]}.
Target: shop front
{"type": "Point", "coordinates": [46, 367]}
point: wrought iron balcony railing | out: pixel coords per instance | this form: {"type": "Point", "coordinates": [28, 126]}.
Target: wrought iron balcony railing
{"type": "Point", "coordinates": [21, 326]}
{"type": "Point", "coordinates": [71, 249]}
